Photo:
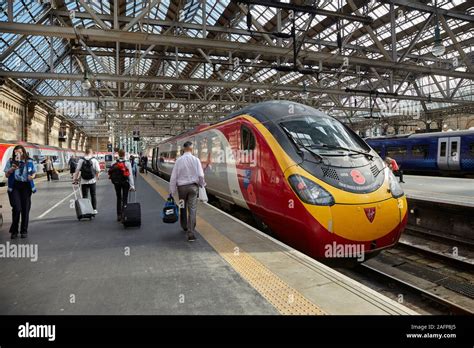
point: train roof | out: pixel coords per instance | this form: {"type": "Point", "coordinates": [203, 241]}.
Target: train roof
{"type": "Point", "coordinates": [272, 110]}
{"type": "Point", "coordinates": [424, 135]}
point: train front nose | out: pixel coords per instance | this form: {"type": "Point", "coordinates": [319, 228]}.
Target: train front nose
{"type": "Point", "coordinates": [374, 225]}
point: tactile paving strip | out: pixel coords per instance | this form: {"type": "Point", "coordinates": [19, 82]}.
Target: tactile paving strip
{"type": "Point", "coordinates": [282, 296]}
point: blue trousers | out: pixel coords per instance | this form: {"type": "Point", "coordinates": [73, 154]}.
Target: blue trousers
{"type": "Point", "coordinates": [20, 201]}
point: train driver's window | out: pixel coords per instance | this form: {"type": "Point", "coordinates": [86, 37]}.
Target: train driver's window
{"type": "Point", "coordinates": [248, 139]}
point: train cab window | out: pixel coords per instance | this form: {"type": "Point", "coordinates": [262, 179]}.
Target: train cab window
{"type": "Point", "coordinates": [419, 151]}
{"type": "Point", "coordinates": [248, 139]}
{"type": "Point", "coordinates": [471, 149]}
{"type": "Point", "coordinates": [396, 151]}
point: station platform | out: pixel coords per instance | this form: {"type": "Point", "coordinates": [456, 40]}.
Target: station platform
{"type": "Point", "coordinates": [448, 190]}
{"type": "Point", "coordinates": [99, 267]}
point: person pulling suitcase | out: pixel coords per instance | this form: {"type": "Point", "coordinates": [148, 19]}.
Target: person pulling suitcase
{"type": "Point", "coordinates": [87, 171]}
{"type": "Point", "coordinates": [84, 209]}
{"type": "Point", "coordinates": [122, 178]}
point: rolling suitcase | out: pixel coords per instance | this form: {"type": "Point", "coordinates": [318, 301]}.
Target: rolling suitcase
{"type": "Point", "coordinates": [54, 176]}
{"type": "Point", "coordinates": [83, 206]}
{"type": "Point", "coordinates": [131, 214]}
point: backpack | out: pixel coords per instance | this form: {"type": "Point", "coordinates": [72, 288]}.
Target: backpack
{"type": "Point", "coordinates": [87, 170]}
{"type": "Point", "coordinates": [170, 212]}
{"type": "Point", "coordinates": [119, 173]}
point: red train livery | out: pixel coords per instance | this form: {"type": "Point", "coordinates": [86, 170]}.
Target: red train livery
{"type": "Point", "coordinates": [316, 184]}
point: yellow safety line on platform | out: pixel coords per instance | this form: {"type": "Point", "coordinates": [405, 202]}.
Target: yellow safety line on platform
{"type": "Point", "coordinates": [282, 296]}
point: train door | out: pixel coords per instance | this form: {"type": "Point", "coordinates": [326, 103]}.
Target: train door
{"type": "Point", "coordinates": [448, 153]}
{"type": "Point", "coordinates": [247, 170]}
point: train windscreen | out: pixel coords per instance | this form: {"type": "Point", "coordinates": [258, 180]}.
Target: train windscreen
{"type": "Point", "coordinates": [323, 134]}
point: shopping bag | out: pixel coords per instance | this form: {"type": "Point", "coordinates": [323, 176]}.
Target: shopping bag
{"type": "Point", "coordinates": [202, 196]}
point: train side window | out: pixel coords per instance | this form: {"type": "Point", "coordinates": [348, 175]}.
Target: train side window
{"type": "Point", "coordinates": [203, 150]}
{"type": "Point", "coordinates": [419, 151]}
{"type": "Point", "coordinates": [394, 151]}
{"type": "Point", "coordinates": [248, 139]}
{"type": "Point", "coordinates": [471, 149]}
{"type": "Point", "coordinates": [442, 150]}
{"type": "Point", "coordinates": [378, 150]}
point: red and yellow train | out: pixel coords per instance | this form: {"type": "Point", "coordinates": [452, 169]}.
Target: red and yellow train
{"type": "Point", "coordinates": [315, 183]}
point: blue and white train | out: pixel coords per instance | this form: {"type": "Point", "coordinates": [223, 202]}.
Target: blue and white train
{"type": "Point", "coordinates": [441, 153]}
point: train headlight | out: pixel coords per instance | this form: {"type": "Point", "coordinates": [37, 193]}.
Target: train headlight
{"type": "Point", "coordinates": [310, 192]}
{"type": "Point", "coordinates": [395, 188]}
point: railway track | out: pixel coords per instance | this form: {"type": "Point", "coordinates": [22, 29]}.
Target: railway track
{"type": "Point", "coordinates": [453, 307]}
{"type": "Point", "coordinates": [460, 262]}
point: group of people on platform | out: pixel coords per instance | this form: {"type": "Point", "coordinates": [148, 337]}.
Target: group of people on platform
{"type": "Point", "coordinates": [186, 178]}
{"type": "Point", "coordinates": [20, 170]}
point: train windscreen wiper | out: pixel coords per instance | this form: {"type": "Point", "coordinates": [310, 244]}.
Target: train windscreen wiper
{"type": "Point", "coordinates": [300, 145]}
{"type": "Point", "coordinates": [337, 147]}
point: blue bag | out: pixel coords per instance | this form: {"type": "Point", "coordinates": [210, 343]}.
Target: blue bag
{"type": "Point", "coordinates": [170, 212]}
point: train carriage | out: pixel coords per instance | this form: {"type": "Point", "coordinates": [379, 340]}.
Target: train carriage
{"type": "Point", "coordinates": [38, 153]}
{"type": "Point", "coordinates": [445, 153]}
{"type": "Point", "coordinates": [305, 175]}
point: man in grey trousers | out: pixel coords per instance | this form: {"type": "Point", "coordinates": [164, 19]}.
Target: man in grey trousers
{"type": "Point", "coordinates": [186, 177]}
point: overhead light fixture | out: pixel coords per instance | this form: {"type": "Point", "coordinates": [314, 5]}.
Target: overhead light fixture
{"type": "Point", "coordinates": [86, 84]}
{"type": "Point", "coordinates": [438, 48]}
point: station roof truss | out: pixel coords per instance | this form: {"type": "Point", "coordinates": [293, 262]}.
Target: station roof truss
{"type": "Point", "coordinates": [164, 66]}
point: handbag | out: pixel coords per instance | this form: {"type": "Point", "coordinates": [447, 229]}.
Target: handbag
{"type": "Point", "coordinates": [202, 195]}
{"type": "Point", "coordinates": [170, 212]}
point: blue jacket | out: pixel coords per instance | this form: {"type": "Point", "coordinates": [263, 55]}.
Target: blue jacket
{"type": "Point", "coordinates": [30, 170]}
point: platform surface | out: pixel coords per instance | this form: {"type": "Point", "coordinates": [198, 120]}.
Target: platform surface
{"type": "Point", "coordinates": [440, 189]}
{"type": "Point", "coordinates": [98, 267]}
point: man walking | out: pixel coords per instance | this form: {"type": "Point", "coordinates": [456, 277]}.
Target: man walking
{"type": "Point", "coordinates": [88, 170]}
{"type": "Point", "coordinates": [186, 177]}
{"type": "Point", "coordinates": [144, 164]}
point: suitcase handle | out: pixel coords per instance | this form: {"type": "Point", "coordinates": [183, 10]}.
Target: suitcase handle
{"type": "Point", "coordinates": [134, 196]}
{"type": "Point", "coordinates": [75, 188]}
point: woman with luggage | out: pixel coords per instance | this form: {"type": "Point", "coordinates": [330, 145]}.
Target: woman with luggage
{"type": "Point", "coordinates": [20, 171]}
{"type": "Point", "coordinates": [48, 167]}
{"type": "Point", "coordinates": [121, 175]}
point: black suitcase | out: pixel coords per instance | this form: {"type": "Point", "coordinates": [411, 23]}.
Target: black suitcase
{"type": "Point", "coordinates": [131, 214]}
{"type": "Point", "coordinates": [54, 175]}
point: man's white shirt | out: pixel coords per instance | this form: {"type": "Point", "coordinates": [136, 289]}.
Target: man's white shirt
{"type": "Point", "coordinates": [187, 170]}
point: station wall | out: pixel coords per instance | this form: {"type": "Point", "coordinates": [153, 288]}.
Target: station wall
{"type": "Point", "coordinates": [42, 125]}
{"type": "Point", "coordinates": [11, 114]}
